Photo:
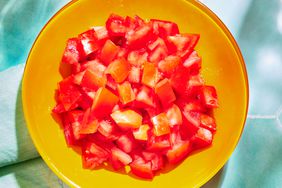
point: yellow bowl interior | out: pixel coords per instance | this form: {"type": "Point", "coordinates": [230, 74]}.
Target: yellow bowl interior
{"type": "Point", "coordinates": [223, 67]}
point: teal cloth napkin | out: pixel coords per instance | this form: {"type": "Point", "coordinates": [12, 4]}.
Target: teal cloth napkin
{"type": "Point", "coordinates": [256, 161]}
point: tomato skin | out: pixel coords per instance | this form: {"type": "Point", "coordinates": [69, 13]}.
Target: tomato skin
{"type": "Point", "coordinates": [127, 119]}
{"type": "Point", "coordinates": [166, 28]}
{"type": "Point", "coordinates": [179, 79]}
{"type": "Point", "coordinates": [165, 92]}
{"type": "Point", "coordinates": [73, 53]}
{"type": "Point", "coordinates": [104, 102]}
{"type": "Point", "coordinates": [119, 70]}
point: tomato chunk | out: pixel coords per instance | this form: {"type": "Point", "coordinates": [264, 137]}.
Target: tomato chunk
{"type": "Point", "coordinates": [142, 132]}
{"type": "Point", "coordinates": [134, 75]}
{"type": "Point", "coordinates": [127, 119]}
{"type": "Point", "coordinates": [125, 92]}
{"type": "Point", "coordinates": [89, 42]}
{"type": "Point", "coordinates": [126, 142]}
{"type": "Point", "coordinates": [161, 124]}
{"type": "Point", "coordinates": [169, 64]}
{"type": "Point", "coordinates": [104, 102]}
{"type": "Point", "coordinates": [108, 52]}
{"type": "Point", "coordinates": [142, 169]}
{"type": "Point", "coordinates": [165, 92]}
{"type": "Point", "coordinates": [166, 28]}
{"type": "Point", "coordinates": [203, 138]}
{"type": "Point", "coordinates": [178, 152]}
{"type": "Point", "coordinates": [150, 75]}
{"type": "Point", "coordinates": [73, 53]}
{"type": "Point", "coordinates": [174, 115]}
{"type": "Point", "coordinates": [116, 25]}
{"type": "Point", "coordinates": [209, 96]}
{"type": "Point", "coordinates": [93, 80]}
{"type": "Point", "coordinates": [119, 70]}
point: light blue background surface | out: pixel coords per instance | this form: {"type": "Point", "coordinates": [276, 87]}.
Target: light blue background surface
{"type": "Point", "coordinates": [256, 25]}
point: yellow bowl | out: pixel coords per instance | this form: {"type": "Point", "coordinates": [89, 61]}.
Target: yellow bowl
{"type": "Point", "coordinates": [223, 66]}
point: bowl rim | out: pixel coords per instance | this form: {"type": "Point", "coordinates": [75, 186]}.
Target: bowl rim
{"type": "Point", "coordinates": [206, 11]}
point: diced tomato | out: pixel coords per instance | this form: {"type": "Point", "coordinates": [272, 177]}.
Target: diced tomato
{"type": "Point", "coordinates": [119, 70]}
{"type": "Point", "coordinates": [93, 155]}
{"type": "Point", "coordinates": [209, 96]}
{"type": "Point", "coordinates": [69, 94]}
{"type": "Point", "coordinates": [116, 25]}
{"type": "Point", "coordinates": [111, 84]}
{"type": "Point", "coordinates": [121, 156]}
{"type": "Point", "coordinates": [158, 54]}
{"type": "Point", "coordinates": [108, 130]}
{"type": "Point", "coordinates": [155, 158]}
{"type": "Point", "coordinates": [126, 142]}
{"type": "Point", "coordinates": [158, 42]}
{"type": "Point", "coordinates": [208, 122]}
{"type": "Point", "coordinates": [165, 28]}
{"type": "Point", "coordinates": [102, 34]}
{"type": "Point", "coordinates": [179, 79]}
{"type": "Point", "coordinates": [191, 124]}
{"type": "Point", "coordinates": [202, 138]}
{"type": "Point", "coordinates": [93, 80]}
{"type": "Point", "coordinates": [126, 93]}
{"type": "Point", "coordinates": [142, 169]}
{"type": "Point", "coordinates": [104, 102]}
{"type": "Point", "coordinates": [94, 66]}
{"type": "Point", "coordinates": [76, 120]}
{"type": "Point", "coordinates": [193, 62]}
{"type": "Point", "coordinates": [161, 124]}
{"type": "Point", "coordinates": [150, 75]}
{"type": "Point", "coordinates": [108, 52]}
{"type": "Point", "coordinates": [73, 53]}
{"type": "Point", "coordinates": [165, 92]}
{"type": "Point", "coordinates": [127, 119]}
{"type": "Point", "coordinates": [89, 42]}
{"type": "Point", "coordinates": [86, 99]}
{"type": "Point", "coordinates": [134, 75]}
{"type": "Point", "coordinates": [140, 36]}
{"type": "Point", "coordinates": [174, 115]}
{"type": "Point", "coordinates": [142, 132]}
{"type": "Point", "coordinates": [145, 98]}
{"type": "Point", "coordinates": [68, 132]}
{"type": "Point", "coordinates": [158, 143]}
{"type": "Point", "coordinates": [178, 152]}
{"type": "Point", "coordinates": [169, 64]}
{"type": "Point", "coordinates": [195, 106]}
{"type": "Point", "coordinates": [137, 58]}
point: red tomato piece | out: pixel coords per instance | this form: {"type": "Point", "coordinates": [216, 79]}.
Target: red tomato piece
{"type": "Point", "coordinates": [194, 106]}
{"type": "Point", "coordinates": [174, 115]}
{"type": "Point", "coordinates": [156, 159]}
{"type": "Point", "coordinates": [126, 93]}
{"type": "Point", "coordinates": [116, 25]}
{"type": "Point", "coordinates": [165, 28]}
{"type": "Point", "coordinates": [139, 37]}
{"type": "Point", "coordinates": [208, 122]}
{"type": "Point", "coordinates": [158, 42]}
{"type": "Point", "coordinates": [169, 64]}
{"type": "Point", "coordinates": [193, 62]}
{"type": "Point", "coordinates": [86, 99]}
{"type": "Point", "coordinates": [108, 130]}
{"type": "Point", "coordinates": [68, 132]}
{"type": "Point", "coordinates": [93, 80]}
{"type": "Point", "coordinates": [159, 53]}
{"type": "Point", "coordinates": [121, 156]}
{"type": "Point", "coordinates": [102, 34]}
{"type": "Point", "coordinates": [191, 124]}
{"type": "Point", "coordinates": [89, 42]}
{"type": "Point", "coordinates": [137, 58]}
{"type": "Point", "coordinates": [158, 143]}
{"type": "Point", "coordinates": [142, 132]}
{"type": "Point", "coordinates": [127, 119]}
{"type": "Point", "coordinates": [142, 169]}
{"type": "Point", "coordinates": [145, 98]}
{"type": "Point", "coordinates": [134, 75]}
{"type": "Point", "coordinates": [74, 52]}
{"type": "Point", "coordinates": [161, 124]}
{"type": "Point", "coordinates": [202, 138]}
{"type": "Point", "coordinates": [104, 102]}
{"type": "Point", "coordinates": [108, 52]}
{"type": "Point", "coordinates": [178, 152]}
{"type": "Point", "coordinates": [150, 76]}
{"type": "Point", "coordinates": [165, 92]}
{"type": "Point", "coordinates": [119, 70]}
{"type": "Point", "coordinates": [76, 120]}
{"type": "Point", "coordinates": [209, 96]}
{"type": "Point", "coordinates": [93, 155]}
{"type": "Point", "coordinates": [179, 79]}
{"type": "Point", "coordinates": [126, 142]}
{"type": "Point", "coordinates": [68, 94]}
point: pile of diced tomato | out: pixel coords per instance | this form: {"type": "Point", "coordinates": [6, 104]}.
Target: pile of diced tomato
{"type": "Point", "coordinates": [132, 94]}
